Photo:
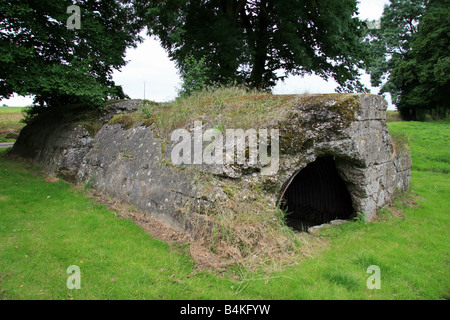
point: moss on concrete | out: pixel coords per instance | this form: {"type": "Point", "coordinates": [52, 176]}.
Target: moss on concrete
{"type": "Point", "coordinates": [127, 121]}
{"type": "Point", "coordinates": [345, 105]}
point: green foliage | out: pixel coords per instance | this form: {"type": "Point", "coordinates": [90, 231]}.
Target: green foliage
{"type": "Point", "coordinates": [147, 109]}
{"type": "Point", "coordinates": [423, 75]}
{"type": "Point", "coordinates": [248, 42]}
{"type": "Point", "coordinates": [195, 75]}
{"type": "Point", "coordinates": [390, 43]}
{"type": "Point", "coordinates": [40, 56]}
{"type": "Point", "coordinates": [31, 113]}
{"type": "Point", "coordinates": [411, 57]}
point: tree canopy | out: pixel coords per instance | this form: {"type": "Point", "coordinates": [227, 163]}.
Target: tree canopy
{"type": "Point", "coordinates": [392, 41]}
{"type": "Point", "coordinates": [422, 76]}
{"type": "Point", "coordinates": [257, 42]}
{"type": "Point", "coordinates": [40, 56]}
{"type": "Point", "coordinates": [250, 42]}
{"type": "Point", "coordinates": [411, 56]}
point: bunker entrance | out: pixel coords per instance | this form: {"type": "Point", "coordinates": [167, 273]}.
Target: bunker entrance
{"type": "Point", "coordinates": [316, 195]}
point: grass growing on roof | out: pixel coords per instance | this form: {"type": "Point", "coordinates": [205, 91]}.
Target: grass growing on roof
{"type": "Point", "coordinates": [228, 107]}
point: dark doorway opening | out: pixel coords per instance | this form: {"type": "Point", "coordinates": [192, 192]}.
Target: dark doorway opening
{"type": "Point", "coordinates": [316, 195]}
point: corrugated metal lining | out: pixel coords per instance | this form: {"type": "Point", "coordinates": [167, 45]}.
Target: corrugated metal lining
{"type": "Point", "coordinates": [316, 195]}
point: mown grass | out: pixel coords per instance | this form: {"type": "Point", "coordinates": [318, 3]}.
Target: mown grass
{"type": "Point", "coordinates": [46, 227]}
{"type": "Point", "coordinates": [11, 109]}
{"type": "Point", "coordinates": [430, 143]}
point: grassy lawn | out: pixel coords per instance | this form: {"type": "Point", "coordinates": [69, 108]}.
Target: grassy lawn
{"type": "Point", "coordinates": [47, 226]}
{"type": "Point", "coordinates": [11, 109]}
{"type": "Point", "coordinates": [430, 144]}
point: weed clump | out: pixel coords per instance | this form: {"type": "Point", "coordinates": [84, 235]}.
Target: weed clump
{"type": "Point", "coordinates": [238, 225]}
{"type": "Point", "coordinates": [125, 120]}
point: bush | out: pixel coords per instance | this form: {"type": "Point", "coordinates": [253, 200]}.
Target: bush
{"type": "Point", "coordinates": [194, 74]}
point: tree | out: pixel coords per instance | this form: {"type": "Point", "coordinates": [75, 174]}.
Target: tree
{"type": "Point", "coordinates": [195, 75]}
{"type": "Point", "coordinates": [40, 56]}
{"type": "Point", "coordinates": [423, 75]}
{"type": "Point", "coordinates": [257, 42]}
{"type": "Point", "coordinates": [392, 41]}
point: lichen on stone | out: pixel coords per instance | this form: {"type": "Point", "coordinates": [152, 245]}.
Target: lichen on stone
{"type": "Point", "coordinates": [125, 120]}
{"type": "Point", "coordinates": [345, 105]}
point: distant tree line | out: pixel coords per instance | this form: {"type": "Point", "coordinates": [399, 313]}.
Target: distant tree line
{"type": "Point", "coordinates": [412, 57]}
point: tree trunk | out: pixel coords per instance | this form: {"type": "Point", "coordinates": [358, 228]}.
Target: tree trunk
{"type": "Point", "coordinates": [260, 48]}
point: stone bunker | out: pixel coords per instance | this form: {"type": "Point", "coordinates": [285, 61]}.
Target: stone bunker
{"type": "Point", "coordinates": [336, 161]}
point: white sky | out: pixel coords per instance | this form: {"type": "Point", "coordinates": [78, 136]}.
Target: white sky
{"type": "Point", "coordinates": [149, 63]}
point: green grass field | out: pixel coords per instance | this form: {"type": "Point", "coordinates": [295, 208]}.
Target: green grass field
{"type": "Point", "coordinates": [11, 109]}
{"type": "Point", "coordinates": [45, 227]}
{"type": "Point", "coordinates": [430, 144]}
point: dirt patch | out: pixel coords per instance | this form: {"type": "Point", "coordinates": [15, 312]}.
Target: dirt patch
{"type": "Point", "coordinates": [51, 179]}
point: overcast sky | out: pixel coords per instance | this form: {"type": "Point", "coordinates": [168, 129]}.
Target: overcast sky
{"type": "Point", "coordinates": [149, 64]}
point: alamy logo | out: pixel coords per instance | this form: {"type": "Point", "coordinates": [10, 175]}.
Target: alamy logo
{"type": "Point", "coordinates": [374, 281]}
{"type": "Point", "coordinates": [235, 146]}
{"type": "Point", "coordinates": [74, 21]}
{"type": "Point", "coordinates": [73, 281]}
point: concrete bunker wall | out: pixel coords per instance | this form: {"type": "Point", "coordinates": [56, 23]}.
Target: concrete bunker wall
{"type": "Point", "coordinates": [130, 164]}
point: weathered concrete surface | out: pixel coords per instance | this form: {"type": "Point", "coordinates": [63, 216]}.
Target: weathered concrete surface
{"type": "Point", "coordinates": [362, 147]}
{"type": "Point", "coordinates": [128, 164]}
{"type": "Point", "coordinates": [132, 164]}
